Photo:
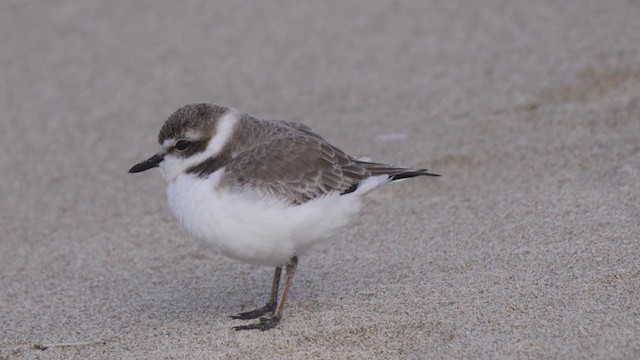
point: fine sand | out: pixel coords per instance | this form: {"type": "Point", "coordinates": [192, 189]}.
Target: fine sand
{"type": "Point", "coordinates": [527, 247]}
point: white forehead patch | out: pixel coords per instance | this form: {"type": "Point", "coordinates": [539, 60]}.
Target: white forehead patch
{"type": "Point", "coordinates": [167, 143]}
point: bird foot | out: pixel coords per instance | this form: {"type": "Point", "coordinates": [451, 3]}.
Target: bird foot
{"type": "Point", "coordinates": [264, 324]}
{"type": "Point", "coordinates": [254, 314]}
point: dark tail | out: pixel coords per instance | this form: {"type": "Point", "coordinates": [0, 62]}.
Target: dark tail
{"type": "Point", "coordinates": [411, 173]}
{"type": "Point", "coordinates": [395, 173]}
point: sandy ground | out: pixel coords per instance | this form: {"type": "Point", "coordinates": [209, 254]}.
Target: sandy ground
{"type": "Point", "coordinates": [527, 247]}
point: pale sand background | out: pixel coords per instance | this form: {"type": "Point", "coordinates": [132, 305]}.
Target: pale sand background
{"type": "Point", "coordinates": [527, 247]}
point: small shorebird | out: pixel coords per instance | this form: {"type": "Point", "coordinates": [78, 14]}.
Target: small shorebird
{"type": "Point", "coordinates": [260, 191]}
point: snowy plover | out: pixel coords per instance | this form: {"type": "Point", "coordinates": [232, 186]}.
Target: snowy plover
{"type": "Point", "coordinates": [260, 191]}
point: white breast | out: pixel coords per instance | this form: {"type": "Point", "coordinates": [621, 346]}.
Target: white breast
{"type": "Point", "coordinates": [261, 231]}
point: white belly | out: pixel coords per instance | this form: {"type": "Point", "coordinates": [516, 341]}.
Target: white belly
{"type": "Point", "coordinates": [257, 231]}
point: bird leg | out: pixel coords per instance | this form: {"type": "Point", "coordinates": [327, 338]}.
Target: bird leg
{"type": "Point", "coordinates": [267, 323]}
{"type": "Point", "coordinates": [271, 304]}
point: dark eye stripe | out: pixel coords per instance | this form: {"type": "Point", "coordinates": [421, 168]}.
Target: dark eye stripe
{"type": "Point", "coordinates": [194, 147]}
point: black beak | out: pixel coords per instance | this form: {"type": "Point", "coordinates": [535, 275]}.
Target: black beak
{"type": "Point", "coordinates": [151, 162]}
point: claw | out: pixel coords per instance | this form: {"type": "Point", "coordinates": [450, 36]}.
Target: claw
{"type": "Point", "coordinates": [254, 314]}
{"type": "Point", "coordinates": [264, 324]}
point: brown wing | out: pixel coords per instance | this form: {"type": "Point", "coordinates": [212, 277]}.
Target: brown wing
{"type": "Point", "coordinates": [296, 165]}
{"type": "Point", "coordinates": [295, 168]}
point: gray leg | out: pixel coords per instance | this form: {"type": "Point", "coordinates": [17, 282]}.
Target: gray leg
{"type": "Point", "coordinates": [271, 304]}
{"type": "Point", "coordinates": [267, 323]}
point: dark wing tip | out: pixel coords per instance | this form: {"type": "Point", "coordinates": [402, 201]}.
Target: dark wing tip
{"type": "Point", "coordinates": [426, 172]}
{"type": "Point", "coordinates": [403, 175]}
{"type": "Point", "coordinates": [412, 173]}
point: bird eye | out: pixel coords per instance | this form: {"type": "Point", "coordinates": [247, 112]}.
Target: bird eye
{"type": "Point", "coordinates": [182, 145]}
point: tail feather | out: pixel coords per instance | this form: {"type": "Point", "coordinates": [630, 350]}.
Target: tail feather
{"type": "Point", "coordinates": [394, 173]}
{"type": "Point", "coordinates": [411, 173]}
